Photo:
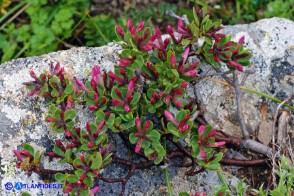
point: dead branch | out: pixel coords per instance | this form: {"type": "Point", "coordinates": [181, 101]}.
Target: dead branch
{"type": "Point", "coordinates": [238, 93]}
{"type": "Point", "coordinates": [274, 155]}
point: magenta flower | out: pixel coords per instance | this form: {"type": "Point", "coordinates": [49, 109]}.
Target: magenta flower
{"type": "Point", "coordinates": [160, 44]}
{"type": "Point", "coordinates": [182, 125]}
{"type": "Point", "coordinates": [176, 37]}
{"type": "Point", "coordinates": [125, 101]}
{"type": "Point", "coordinates": [91, 135]}
{"type": "Point", "coordinates": [175, 94]}
{"type": "Point", "coordinates": [55, 70]}
{"type": "Point", "coordinates": [98, 103]}
{"type": "Point", "coordinates": [156, 97]}
{"type": "Point", "coordinates": [81, 85]}
{"type": "Point", "coordinates": [207, 141]}
{"type": "Point", "coordinates": [139, 34]}
{"type": "Point", "coordinates": [183, 32]}
{"type": "Point", "coordinates": [120, 31]}
{"type": "Point", "coordinates": [219, 51]}
{"type": "Point", "coordinates": [187, 71]}
{"type": "Point", "coordinates": [37, 84]}
{"type": "Point", "coordinates": [141, 133]}
{"type": "Point", "coordinates": [152, 74]}
{"type": "Point", "coordinates": [20, 155]}
{"type": "Point", "coordinates": [96, 77]}
{"type": "Point", "coordinates": [233, 62]}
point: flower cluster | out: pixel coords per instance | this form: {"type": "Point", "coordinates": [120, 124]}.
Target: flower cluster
{"type": "Point", "coordinates": [151, 75]}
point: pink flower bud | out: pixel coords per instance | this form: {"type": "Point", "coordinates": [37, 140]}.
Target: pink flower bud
{"type": "Point", "coordinates": [33, 75]}
{"type": "Point", "coordinates": [216, 58]}
{"type": "Point", "coordinates": [201, 129]}
{"type": "Point", "coordinates": [129, 24]}
{"type": "Point", "coordinates": [60, 145]}
{"type": "Point", "coordinates": [118, 93]}
{"type": "Point", "coordinates": [241, 40]}
{"type": "Point", "coordinates": [191, 73]}
{"type": "Point", "coordinates": [120, 31]}
{"type": "Point", "coordinates": [81, 85]}
{"type": "Point", "coordinates": [170, 30]}
{"type": "Point", "coordinates": [127, 108]}
{"type": "Point", "coordinates": [50, 119]}
{"type": "Point", "coordinates": [173, 61]}
{"type": "Point", "coordinates": [116, 102]}
{"type": "Point", "coordinates": [202, 154]}
{"type": "Point", "coordinates": [82, 157]}
{"type": "Point", "coordinates": [178, 103]}
{"type": "Point", "coordinates": [140, 26]}
{"type": "Point", "coordinates": [166, 42]}
{"type": "Point", "coordinates": [147, 125]}
{"type": "Point", "coordinates": [220, 143]}
{"type": "Point", "coordinates": [238, 66]}
{"type": "Point", "coordinates": [94, 190]}
{"type": "Point", "coordinates": [88, 127]}
{"type": "Point", "coordinates": [131, 87]}
{"type": "Point", "coordinates": [138, 146]}
{"type": "Point", "coordinates": [92, 107]}
{"type": "Point", "coordinates": [124, 62]}
{"type": "Point", "coordinates": [90, 145]}
{"type": "Point", "coordinates": [171, 118]}
{"type": "Point", "coordinates": [101, 125]}
{"type": "Point", "coordinates": [185, 56]}
{"type": "Point", "coordinates": [138, 123]}
{"type": "Point", "coordinates": [18, 155]}
{"type": "Point", "coordinates": [184, 84]}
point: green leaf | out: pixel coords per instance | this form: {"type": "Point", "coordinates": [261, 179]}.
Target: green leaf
{"type": "Point", "coordinates": [84, 192]}
{"type": "Point", "coordinates": [107, 159]}
{"type": "Point", "coordinates": [153, 135]}
{"type": "Point", "coordinates": [217, 158]}
{"type": "Point", "coordinates": [196, 19]}
{"type": "Point", "coordinates": [184, 194]}
{"type": "Point", "coordinates": [148, 151]}
{"type": "Point", "coordinates": [97, 162]}
{"type": "Point", "coordinates": [68, 90]}
{"type": "Point", "coordinates": [175, 72]}
{"type": "Point", "coordinates": [78, 161]}
{"type": "Point", "coordinates": [136, 98]}
{"type": "Point", "coordinates": [29, 149]}
{"type": "Point", "coordinates": [72, 178]}
{"type": "Point", "coordinates": [151, 109]}
{"type": "Point", "coordinates": [79, 172]}
{"type": "Point", "coordinates": [57, 150]}
{"type": "Point", "coordinates": [181, 115]}
{"type": "Point", "coordinates": [133, 139]}
{"type": "Point", "coordinates": [70, 114]}
{"type": "Point", "coordinates": [88, 181]}
{"type": "Point", "coordinates": [89, 158]}
{"type": "Point", "coordinates": [126, 53]}
{"type": "Point", "coordinates": [68, 153]}
{"type": "Point", "coordinates": [60, 177]}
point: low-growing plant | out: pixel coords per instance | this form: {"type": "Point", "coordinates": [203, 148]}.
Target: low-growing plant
{"type": "Point", "coordinates": [134, 101]}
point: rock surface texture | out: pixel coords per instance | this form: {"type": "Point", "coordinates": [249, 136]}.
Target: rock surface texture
{"type": "Point", "coordinates": [22, 118]}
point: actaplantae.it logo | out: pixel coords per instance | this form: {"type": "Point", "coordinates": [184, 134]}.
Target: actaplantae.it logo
{"type": "Point", "coordinates": [20, 186]}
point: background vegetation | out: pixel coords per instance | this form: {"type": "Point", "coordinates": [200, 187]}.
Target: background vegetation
{"type": "Point", "coordinates": [35, 27]}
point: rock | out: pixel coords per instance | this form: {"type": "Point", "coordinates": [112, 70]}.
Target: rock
{"type": "Point", "coordinates": [22, 117]}
{"type": "Point", "coordinates": [272, 44]}
{"type": "Point", "coordinates": [265, 132]}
